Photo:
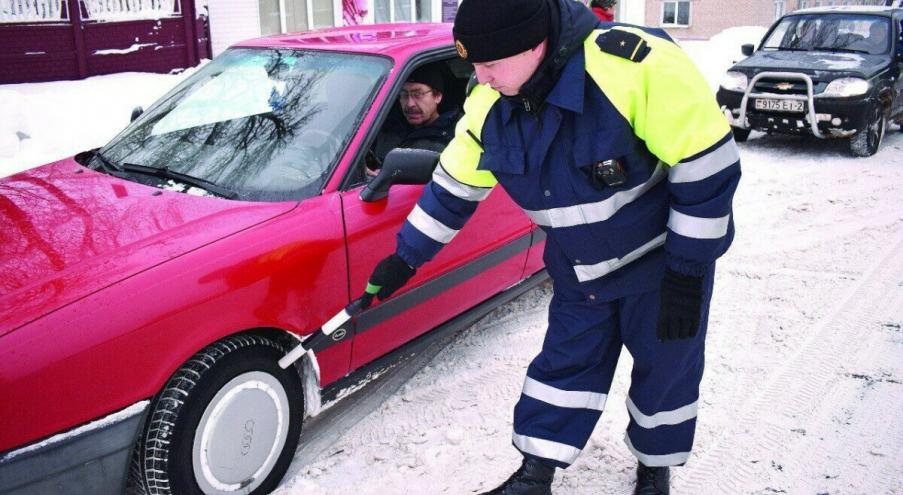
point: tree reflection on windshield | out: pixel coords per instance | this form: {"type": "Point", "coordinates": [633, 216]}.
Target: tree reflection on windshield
{"type": "Point", "coordinates": [268, 124]}
{"type": "Point", "coordinates": [832, 32]}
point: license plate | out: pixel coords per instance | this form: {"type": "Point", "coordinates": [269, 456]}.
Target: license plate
{"type": "Point", "coordinates": [773, 105]}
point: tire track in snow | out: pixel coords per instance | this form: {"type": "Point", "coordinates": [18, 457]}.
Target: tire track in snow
{"type": "Point", "coordinates": [802, 386]}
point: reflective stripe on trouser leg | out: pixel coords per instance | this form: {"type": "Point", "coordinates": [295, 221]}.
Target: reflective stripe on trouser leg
{"type": "Point", "coordinates": [664, 387]}
{"type": "Point", "coordinates": [566, 385]}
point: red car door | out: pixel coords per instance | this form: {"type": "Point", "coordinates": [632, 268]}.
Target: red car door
{"type": "Point", "coordinates": [486, 257]}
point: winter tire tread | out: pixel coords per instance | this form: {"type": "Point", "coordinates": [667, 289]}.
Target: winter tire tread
{"type": "Point", "coordinates": [149, 474]}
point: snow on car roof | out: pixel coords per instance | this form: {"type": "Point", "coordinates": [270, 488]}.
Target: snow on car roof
{"type": "Point", "coordinates": [388, 39]}
{"type": "Point", "coordinates": [847, 9]}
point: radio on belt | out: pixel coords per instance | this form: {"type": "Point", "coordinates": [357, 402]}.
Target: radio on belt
{"type": "Point", "coordinates": [610, 172]}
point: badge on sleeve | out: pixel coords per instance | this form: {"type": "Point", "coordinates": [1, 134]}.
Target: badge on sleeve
{"type": "Point", "coordinates": [623, 44]}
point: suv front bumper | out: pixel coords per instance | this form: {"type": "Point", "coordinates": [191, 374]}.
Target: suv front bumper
{"type": "Point", "coordinates": [832, 117]}
{"type": "Point", "coordinates": [90, 459]}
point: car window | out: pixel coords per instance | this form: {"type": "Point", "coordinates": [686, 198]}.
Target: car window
{"type": "Point", "coordinates": [268, 124]}
{"type": "Point", "coordinates": [900, 35]}
{"type": "Point", "coordinates": [855, 33]}
{"type": "Point", "coordinates": [393, 131]}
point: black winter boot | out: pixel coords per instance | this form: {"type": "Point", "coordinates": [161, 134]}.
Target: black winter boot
{"type": "Point", "coordinates": [533, 478]}
{"type": "Point", "coordinates": [652, 480]}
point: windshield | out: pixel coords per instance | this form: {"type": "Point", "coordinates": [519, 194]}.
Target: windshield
{"type": "Point", "coordinates": [843, 33]}
{"type": "Point", "coordinates": [267, 124]}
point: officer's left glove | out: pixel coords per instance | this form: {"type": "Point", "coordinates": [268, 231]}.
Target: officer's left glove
{"type": "Point", "coordinates": [681, 306]}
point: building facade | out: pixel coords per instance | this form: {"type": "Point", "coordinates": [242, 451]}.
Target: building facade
{"type": "Point", "coordinates": [702, 19]}
{"type": "Point", "coordinates": [235, 20]}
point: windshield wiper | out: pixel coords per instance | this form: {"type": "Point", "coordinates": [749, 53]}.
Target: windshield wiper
{"type": "Point", "coordinates": [107, 164]}
{"type": "Point", "coordinates": [792, 49]}
{"type": "Point", "coordinates": [166, 173]}
{"type": "Point", "coordinates": [838, 49]}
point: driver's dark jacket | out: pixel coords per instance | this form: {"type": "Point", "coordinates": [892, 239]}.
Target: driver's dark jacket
{"type": "Point", "coordinates": [435, 136]}
{"type": "Point", "coordinates": [656, 116]}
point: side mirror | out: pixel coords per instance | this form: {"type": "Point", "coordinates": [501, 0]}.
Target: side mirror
{"type": "Point", "coordinates": [748, 49]}
{"type": "Point", "coordinates": [401, 166]}
{"type": "Point", "coordinates": [136, 112]}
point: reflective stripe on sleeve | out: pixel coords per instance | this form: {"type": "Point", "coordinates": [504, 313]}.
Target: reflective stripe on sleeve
{"type": "Point", "coordinates": [430, 227]}
{"type": "Point", "coordinates": [459, 189]}
{"type": "Point", "coordinates": [673, 417]}
{"type": "Point", "coordinates": [546, 449]}
{"type": "Point", "coordinates": [698, 227]}
{"type": "Point", "coordinates": [705, 166]}
{"type": "Point", "coordinates": [563, 398]}
{"type": "Point", "coordinates": [650, 460]}
{"type": "Point", "coordinates": [585, 273]}
{"type": "Point", "coordinates": [599, 211]}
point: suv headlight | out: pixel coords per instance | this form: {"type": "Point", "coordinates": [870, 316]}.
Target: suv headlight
{"type": "Point", "coordinates": [846, 86]}
{"type": "Point", "coordinates": [734, 81]}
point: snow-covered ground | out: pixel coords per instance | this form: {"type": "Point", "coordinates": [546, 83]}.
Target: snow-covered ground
{"type": "Point", "coordinates": [44, 122]}
{"type": "Point", "coordinates": [804, 375]}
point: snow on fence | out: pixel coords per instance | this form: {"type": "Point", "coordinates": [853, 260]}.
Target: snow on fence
{"type": "Point", "coordinates": [33, 11]}
{"type": "Point", "coordinates": [124, 10]}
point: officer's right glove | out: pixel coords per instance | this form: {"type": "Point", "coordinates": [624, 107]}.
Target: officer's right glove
{"type": "Point", "coordinates": [681, 306]}
{"type": "Point", "coordinates": [389, 276]}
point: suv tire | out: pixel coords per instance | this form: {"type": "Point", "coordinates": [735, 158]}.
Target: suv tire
{"type": "Point", "coordinates": [740, 135]}
{"type": "Point", "coordinates": [867, 141]}
{"type": "Point", "coordinates": [228, 421]}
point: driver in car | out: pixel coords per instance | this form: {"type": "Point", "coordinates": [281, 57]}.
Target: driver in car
{"type": "Point", "coordinates": [876, 41]}
{"type": "Point", "coordinates": [422, 126]}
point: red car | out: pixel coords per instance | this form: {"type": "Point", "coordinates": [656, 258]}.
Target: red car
{"type": "Point", "coordinates": [148, 288]}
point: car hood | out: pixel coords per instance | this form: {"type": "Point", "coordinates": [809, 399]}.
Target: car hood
{"type": "Point", "coordinates": [67, 231]}
{"type": "Point", "coordinates": [825, 64]}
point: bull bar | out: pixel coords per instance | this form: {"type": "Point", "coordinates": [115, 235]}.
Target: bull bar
{"type": "Point", "coordinates": [741, 121]}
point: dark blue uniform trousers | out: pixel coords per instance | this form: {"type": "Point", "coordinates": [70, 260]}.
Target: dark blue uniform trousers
{"type": "Point", "coordinates": [568, 382]}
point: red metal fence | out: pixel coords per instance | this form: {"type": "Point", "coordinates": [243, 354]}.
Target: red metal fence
{"type": "Point", "coordinates": [80, 47]}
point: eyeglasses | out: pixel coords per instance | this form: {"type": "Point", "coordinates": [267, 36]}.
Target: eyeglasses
{"type": "Point", "coordinates": [416, 95]}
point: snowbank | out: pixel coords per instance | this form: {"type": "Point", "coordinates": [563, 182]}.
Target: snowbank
{"type": "Point", "coordinates": [44, 122]}
{"type": "Point", "coordinates": [715, 56]}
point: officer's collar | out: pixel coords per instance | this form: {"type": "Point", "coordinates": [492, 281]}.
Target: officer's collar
{"type": "Point", "coordinates": [567, 93]}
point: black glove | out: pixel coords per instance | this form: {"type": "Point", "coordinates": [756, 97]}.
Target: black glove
{"type": "Point", "coordinates": [681, 306]}
{"type": "Point", "coordinates": [389, 276]}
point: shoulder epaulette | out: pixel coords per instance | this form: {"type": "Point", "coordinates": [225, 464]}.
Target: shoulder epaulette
{"type": "Point", "coordinates": [623, 44]}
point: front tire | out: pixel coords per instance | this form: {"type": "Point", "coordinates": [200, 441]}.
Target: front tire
{"type": "Point", "coordinates": [867, 141]}
{"type": "Point", "coordinates": [227, 422]}
{"type": "Point", "coordinates": [740, 135]}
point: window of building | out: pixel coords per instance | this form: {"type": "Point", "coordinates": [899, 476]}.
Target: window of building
{"type": "Point", "coordinates": [401, 10]}
{"type": "Point", "coordinates": [296, 17]}
{"type": "Point", "coordinates": [780, 6]}
{"type": "Point", "coordinates": [270, 17]}
{"type": "Point", "coordinates": [676, 14]}
{"type": "Point", "coordinates": [302, 15]}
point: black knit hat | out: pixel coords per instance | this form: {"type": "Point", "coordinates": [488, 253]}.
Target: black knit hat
{"type": "Point", "coordinates": [429, 75]}
{"type": "Point", "coordinates": [488, 30]}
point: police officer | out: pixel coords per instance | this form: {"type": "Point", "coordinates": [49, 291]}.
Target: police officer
{"type": "Point", "coordinates": [611, 141]}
